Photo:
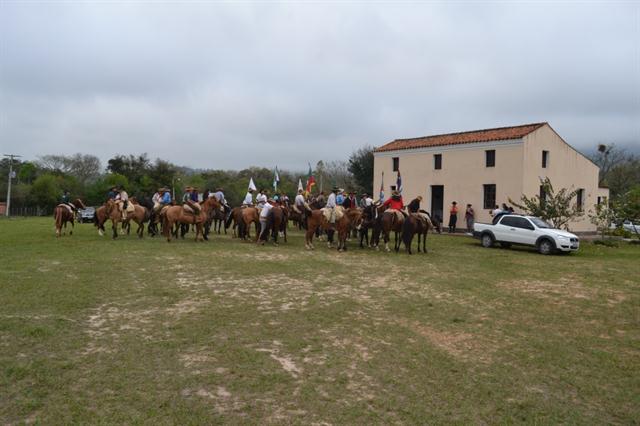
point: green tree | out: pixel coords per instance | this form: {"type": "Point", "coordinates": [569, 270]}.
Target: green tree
{"type": "Point", "coordinates": [602, 216]}
{"type": "Point", "coordinates": [556, 207]}
{"type": "Point", "coordinates": [628, 206]}
{"type": "Point", "coordinates": [46, 190]}
{"type": "Point", "coordinates": [361, 167]}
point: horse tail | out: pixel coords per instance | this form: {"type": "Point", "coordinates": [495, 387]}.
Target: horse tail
{"type": "Point", "coordinates": [407, 232]}
{"type": "Point", "coordinates": [95, 218]}
{"type": "Point", "coordinates": [227, 222]}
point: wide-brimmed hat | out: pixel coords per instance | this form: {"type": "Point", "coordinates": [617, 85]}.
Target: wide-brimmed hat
{"type": "Point", "coordinates": [419, 197]}
{"type": "Point", "coordinates": [335, 189]}
{"type": "Point", "coordinates": [188, 188]}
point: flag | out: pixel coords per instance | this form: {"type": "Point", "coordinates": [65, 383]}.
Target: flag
{"type": "Point", "coordinates": [252, 185]}
{"type": "Point", "coordinates": [311, 180]}
{"type": "Point", "coordinates": [300, 188]}
{"type": "Point", "coordinates": [382, 188]}
{"type": "Point", "coordinates": [276, 180]}
{"type": "Point", "coordinates": [399, 183]}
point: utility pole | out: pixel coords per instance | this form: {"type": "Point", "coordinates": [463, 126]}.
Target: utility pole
{"type": "Point", "coordinates": [11, 157]}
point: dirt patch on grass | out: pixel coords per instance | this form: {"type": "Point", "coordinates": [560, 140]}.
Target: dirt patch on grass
{"type": "Point", "coordinates": [286, 361]}
{"type": "Point", "coordinates": [460, 345]}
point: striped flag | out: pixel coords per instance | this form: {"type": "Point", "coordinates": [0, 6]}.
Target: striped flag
{"type": "Point", "coordinates": [399, 183]}
{"type": "Point", "coordinates": [276, 180]}
{"type": "Point", "coordinates": [382, 188]}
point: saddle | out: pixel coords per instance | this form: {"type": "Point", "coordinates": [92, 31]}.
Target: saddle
{"type": "Point", "coordinates": [67, 206]}
{"type": "Point", "coordinates": [191, 208]}
{"type": "Point", "coordinates": [424, 218]}
{"type": "Point", "coordinates": [326, 212]}
{"type": "Point", "coordinates": [397, 213]}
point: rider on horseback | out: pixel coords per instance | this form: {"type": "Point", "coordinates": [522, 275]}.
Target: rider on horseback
{"type": "Point", "coordinates": [248, 199]}
{"type": "Point", "coordinates": [122, 199]}
{"type": "Point", "coordinates": [331, 204]}
{"type": "Point", "coordinates": [395, 203]}
{"type": "Point", "coordinates": [261, 199]}
{"type": "Point", "coordinates": [67, 201]}
{"type": "Point", "coordinates": [300, 206]}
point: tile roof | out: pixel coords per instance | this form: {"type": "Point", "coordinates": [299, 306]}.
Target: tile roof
{"type": "Point", "coordinates": [498, 134]}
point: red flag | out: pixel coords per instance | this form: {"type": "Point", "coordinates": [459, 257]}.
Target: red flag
{"type": "Point", "coordinates": [311, 180]}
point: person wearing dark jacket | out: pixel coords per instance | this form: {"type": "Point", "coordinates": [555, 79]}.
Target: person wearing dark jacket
{"type": "Point", "coordinates": [414, 205]}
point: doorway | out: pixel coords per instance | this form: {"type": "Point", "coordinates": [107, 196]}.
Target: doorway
{"type": "Point", "coordinates": [437, 201]}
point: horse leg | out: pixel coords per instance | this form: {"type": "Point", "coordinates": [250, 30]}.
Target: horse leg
{"type": "Point", "coordinates": [424, 241]}
{"type": "Point", "coordinates": [72, 226]}
{"type": "Point", "coordinates": [114, 228]}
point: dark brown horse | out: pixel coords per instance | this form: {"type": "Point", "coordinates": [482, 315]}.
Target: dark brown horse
{"type": "Point", "coordinates": [416, 223]}
{"type": "Point", "coordinates": [63, 214]}
{"type": "Point", "coordinates": [276, 223]}
{"type": "Point", "coordinates": [389, 221]}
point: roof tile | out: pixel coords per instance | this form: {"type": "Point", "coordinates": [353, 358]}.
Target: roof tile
{"type": "Point", "coordinates": [501, 133]}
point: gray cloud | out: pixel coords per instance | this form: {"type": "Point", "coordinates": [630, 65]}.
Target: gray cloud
{"type": "Point", "coordinates": [231, 85]}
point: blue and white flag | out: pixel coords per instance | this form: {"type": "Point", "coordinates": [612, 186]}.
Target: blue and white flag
{"type": "Point", "coordinates": [276, 180]}
{"type": "Point", "coordinates": [399, 183]}
{"type": "Point", "coordinates": [382, 188]}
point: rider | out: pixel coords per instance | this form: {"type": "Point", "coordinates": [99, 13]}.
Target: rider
{"type": "Point", "coordinates": [66, 200]}
{"type": "Point", "coordinates": [248, 199]}
{"type": "Point", "coordinates": [331, 204]}
{"type": "Point", "coordinates": [261, 199]}
{"type": "Point", "coordinates": [219, 195]}
{"type": "Point", "coordinates": [395, 203]}
{"type": "Point", "coordinates": [414, 205]}
{"type": "Point", "coordinates": [113, 193]}
{"type": "Point", "coordinates": [157, 199]}
{"type": "Point", "coordinates": [124, 201]}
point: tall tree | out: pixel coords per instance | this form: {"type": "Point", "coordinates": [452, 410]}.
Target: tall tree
{"type": "Point", "coordinates": [361, 167]}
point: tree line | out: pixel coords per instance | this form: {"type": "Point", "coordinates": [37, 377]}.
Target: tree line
{"type": "Point", "coordinates": [41, 182]}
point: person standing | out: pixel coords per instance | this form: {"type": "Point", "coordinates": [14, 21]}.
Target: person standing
{"type": "Point", "coordinates": [453, 217]}
{"type": "Point", "coordinates": [470, 218]}
{"type": "Point", "coordinates": [264, 214]}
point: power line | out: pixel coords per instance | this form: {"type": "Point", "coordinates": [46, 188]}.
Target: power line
{"type": "Point", "coordinates": [11, 176]}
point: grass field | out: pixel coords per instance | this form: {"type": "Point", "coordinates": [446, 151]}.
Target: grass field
{"type": "Point", "coordinates": [142, 331]}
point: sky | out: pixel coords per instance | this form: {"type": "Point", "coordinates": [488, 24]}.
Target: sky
{"type": "Point", "coordinates": [228, 85]}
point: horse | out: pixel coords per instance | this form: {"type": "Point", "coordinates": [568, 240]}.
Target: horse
{"type": "Point", "coordinates": [113, 212]}
{"type": "Point", "coordinates": [99, 218]}
{"type": "Point", "coordinates": [317, 219]}
{"type": "Point", "coordinates": [63, 214]}
{"type": "Point", "coordinates": [235, 217]}
{"type": "Point", "coordinates": [389, 221]}
{"type": "Point", "coordinates": [177, 215]}
{"type": "Point", "coordinates": [416, 223]}
{"type": "Point", "coordinates": [139, 215]}
{"type": "Point", "coordinates": [368, 221]}
{"type": "Point", "coordinates": [275, 224]}
{"type": "Point", "coordinates": [248, 215]}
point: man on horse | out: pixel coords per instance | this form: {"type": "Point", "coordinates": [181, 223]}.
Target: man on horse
{"type": "Point", "coordinates": [395, 203]}
{"type": "Point", "coordinates": [66, 200]}
{"type": "Point", "coordinates": [332, 203]}
{"type": "Point", "coordinates": [219, 195]}
{"type": "Point", "coordinates": [261, 199]}
{"type": "Point", "coordinates": [122, 200]}
{"type": "Point", "coordinates": [248, 199]}
{"type": "Point", "coordinates": [189, 204]}
{"type": "Point", "coordinates": [300, 206]}
{"type": "Point", "coordinates": [414, 209]}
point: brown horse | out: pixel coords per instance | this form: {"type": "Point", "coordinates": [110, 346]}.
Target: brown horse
{"type": "Point", "coordinates": [389, 221]}
{"type": "Point", "coordinates": [99, 218]}
{"type": "Point", "coordinates": [234, 218]}
{"type": "Point", "coordinates": [63, 214]}
{"type": "Point", "coordinates": [350, 219]}
{"type": "Point", "coordinates": [112, 211]}
{"type": "Point", "coordinates": [416, 223]}
{"type": "Point", "coordinates": [139, 215]}
{"type": "Point", "coordinates": [177, 214]}
{"type": "Point", "coordinates": [249, 215]}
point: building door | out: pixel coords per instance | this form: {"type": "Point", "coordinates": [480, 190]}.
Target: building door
{"type": "Point", "coordinates": [437, 201]}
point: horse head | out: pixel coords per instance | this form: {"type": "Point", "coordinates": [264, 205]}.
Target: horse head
{"type": "Point", "coordinates": [79, 204]}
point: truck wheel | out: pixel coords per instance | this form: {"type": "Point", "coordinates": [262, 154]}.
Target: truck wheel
{"type": "Point", "coordinates": [486, 241]}
{"type": "Point", "coordinates": [546, 247]}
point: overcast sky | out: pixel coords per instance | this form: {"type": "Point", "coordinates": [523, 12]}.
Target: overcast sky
{"type": "Point", "coordinates": [226, 85]}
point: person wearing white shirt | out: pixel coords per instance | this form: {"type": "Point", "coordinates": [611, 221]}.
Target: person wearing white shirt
{"type": "Point", "coordinates": [331, 204]}
{"type": "Point", "coordinates": [263, 221]}
{"type": "Point", "coordinates": [248, 199]}
{"type": "Point", "coordinates": [299, 202]}
{"type": "Point", "coordinates": [261, 199]}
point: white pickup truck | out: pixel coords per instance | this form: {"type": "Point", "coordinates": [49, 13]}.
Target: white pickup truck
{"type": "Point", "coordinates": [525, 230]}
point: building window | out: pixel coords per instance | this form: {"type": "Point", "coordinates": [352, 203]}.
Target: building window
{"type": "Point", "coordinates": [580, 199]}
{"type": "Point", "coordinates": [489, 196]}
{"type": "Point", "coordinates": [543, 195]}
{"type": "Point", "coordinates": [490, 158]}
{"type": "Point", "coordinates": [396, 164]}
{"type": "Point", "coordinates": [437, 161]}
{"type": "Point", "coordinates": [545, 159]}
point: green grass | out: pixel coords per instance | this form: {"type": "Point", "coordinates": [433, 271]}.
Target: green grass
{"type": "Point", "coordinates": [142, 331]}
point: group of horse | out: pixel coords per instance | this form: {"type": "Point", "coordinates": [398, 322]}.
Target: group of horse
{"type": "Point", "coordinates": [175, 221]}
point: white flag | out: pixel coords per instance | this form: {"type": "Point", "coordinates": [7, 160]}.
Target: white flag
{"type": "Point", "coordinates": [300, 187]}
{"type": "Point", "coordinates": [252, 185]}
